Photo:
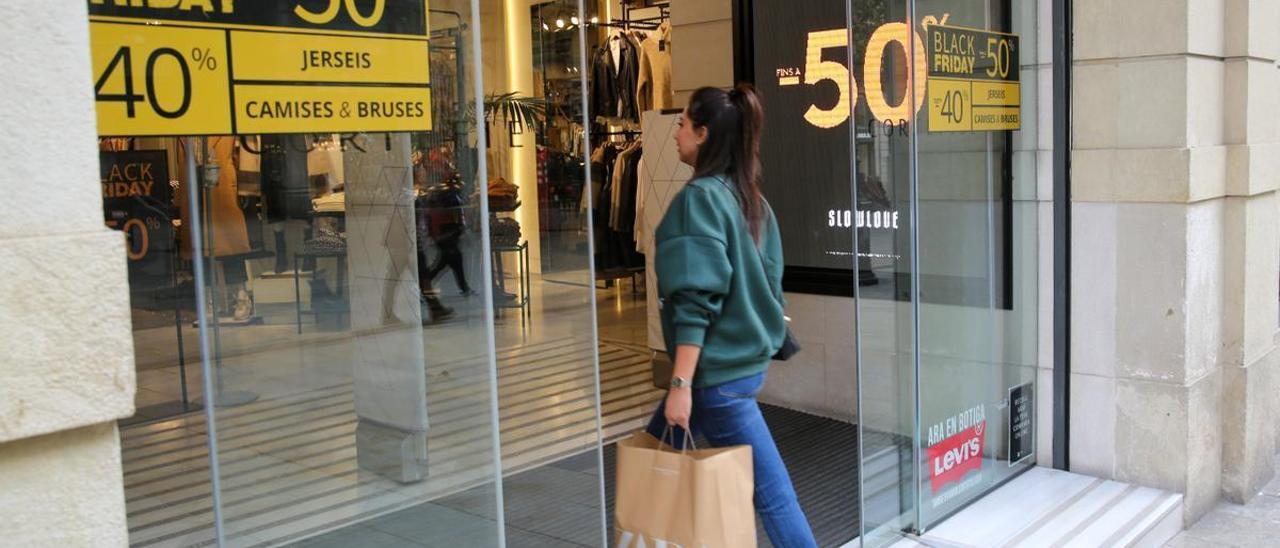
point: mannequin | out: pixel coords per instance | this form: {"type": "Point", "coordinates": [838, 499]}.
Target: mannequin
{"type": "Point", "coordinates": [226, 223]}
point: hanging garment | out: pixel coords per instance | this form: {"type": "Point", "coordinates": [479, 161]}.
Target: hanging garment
{"type": "Point", "coordinates": [603, 97]}
{"type": "Point", "coordinates": [628, 75]}
{"type": "Point", "coordinates": [225, 219]}
{"type": "Point", "coordinates": [616, 187]}
{"type": "Point", "coordinates": [592, 199]}
{"type": "Point", "coordinates": [624, 189]}
{"type": "Point", "coordinates": [642, 181]}
{"type": "Point", "coordinates": [286, 186]}
{"type": "Point", "coordinates": [444, 90]}
{"type": "Point", "coordinates": [653, 88]}
{"type": "Point", "coordinates": [627, 200]}
{"type": "Point", "coordinates": [607, 255]}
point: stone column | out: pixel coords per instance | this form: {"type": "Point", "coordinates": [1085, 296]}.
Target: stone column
{"type": "Point", "coordinates": [1251, 364]}
{"type": "Point", "coordinates": [389, 373]}
{"type": "Point", "coordinates": [67, 368]}
{"type": "Point", "coordinates": [1160, 223]}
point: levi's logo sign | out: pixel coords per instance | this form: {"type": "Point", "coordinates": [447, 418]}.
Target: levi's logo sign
{"type": "Point", "coordinates": [952, 458]}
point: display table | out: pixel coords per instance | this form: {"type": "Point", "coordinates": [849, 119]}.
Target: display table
{"type": "Point", "coordinates": [521, 301]}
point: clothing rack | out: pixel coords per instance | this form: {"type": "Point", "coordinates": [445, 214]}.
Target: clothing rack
{"type": "Point", "coordinates": [644, 23]}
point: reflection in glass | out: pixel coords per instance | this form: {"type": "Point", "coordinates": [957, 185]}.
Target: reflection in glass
{"type": "Point", "coordinates": [352, 377]}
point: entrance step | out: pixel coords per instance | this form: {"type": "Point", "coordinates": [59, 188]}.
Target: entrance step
{"type": "Point", "coordinates": [1046, 507]}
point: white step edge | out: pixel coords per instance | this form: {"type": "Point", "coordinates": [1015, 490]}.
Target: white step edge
{"type": "Point", "coordinates": [1045, 507]}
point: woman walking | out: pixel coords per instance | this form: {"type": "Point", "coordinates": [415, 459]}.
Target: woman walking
{"type": "Point", "coordinates": [719, 269]}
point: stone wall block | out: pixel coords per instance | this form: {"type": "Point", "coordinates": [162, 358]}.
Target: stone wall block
{"type": "Point", "coordinates": [1236, 98]}
{"type": "Point", "coordinates": [1264, 414]}
{"type": "Point", "coordinates": [63, 489]}
{"type": "Point", "coordinates": [67, 333]}
{"type": "Point", "coordinates": [1251, 28]}
{"type": "Point", "coordinates": [1261, 282]}
{"type": "Point", "coordinates": [1233, 276]}
{"type": "Point", "coordinates": [50, 163]}
{"type": "Point", "coordinates": [1205, 101]}
{"type": "Point", "coordinates": [1206, 25]}
{"type": "Point", "coordinates": [1094, 100]}
{"type": "Point", "coordinates": [1151, 306]}
{"type": "Point", "coordinates": [1153, 175]}
{"type": "Point", "coordinates": [1207, 178]}
{"type": "Point", "coordinates": [1145, 118]}
{"type": "Point", "coordinates": [1094, 27]}
{"type": "Point", "coordinates": [1205, 287]}
{"type": "Point", "coordinates": [1150, 27]}
{"type": "Point", "coordinates": [1235, 427]}
{"type": "Point", "coordinates": [1253, 169]}
{"type": "Point", "coordinates": [1092, 173]}
{"type": "Point", "coordinates": [1093, 425]}
{"type": "Point", "coordinates": [1251, 101]}
{"type": "Point", "coordinates": [1250, 413]}
{"type": "Point", "coordinates": [1151, 434]}
{"type": "Point", "coordinates": [1204, 402]}
{"type": "Point", "coordinates": [1093, 312]}
{"type": "Point", "coordinates": [1264, 99]}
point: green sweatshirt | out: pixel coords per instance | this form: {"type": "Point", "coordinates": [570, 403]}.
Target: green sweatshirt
{"type": "Point", "coordinates": [717, 289]}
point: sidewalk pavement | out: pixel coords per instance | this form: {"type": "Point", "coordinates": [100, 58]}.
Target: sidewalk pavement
{"type": "Point", "coordinates": [1227, 525]}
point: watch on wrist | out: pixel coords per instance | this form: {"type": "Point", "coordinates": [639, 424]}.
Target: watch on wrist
{"type": "Point", "coordinates": [680, 382]}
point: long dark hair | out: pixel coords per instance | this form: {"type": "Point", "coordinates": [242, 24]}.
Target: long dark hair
{"type": "Point", "coordinates": [733, 120]}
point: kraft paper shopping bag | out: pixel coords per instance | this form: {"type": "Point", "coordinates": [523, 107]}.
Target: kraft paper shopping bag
{"type": "Point", "coordinates": [683, 499]}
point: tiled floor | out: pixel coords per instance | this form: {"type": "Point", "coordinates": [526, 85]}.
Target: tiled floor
{"type": "Point", "coordinates": [1256, 524]}
{"type": "Point", "coordinates": [288, 459]}
{"type": "Point", "coordinates": [559, 309]}
{"type": "Point", "coordinates": [557, 505]}
{"type": "Point", "coordinates": [288, 466]}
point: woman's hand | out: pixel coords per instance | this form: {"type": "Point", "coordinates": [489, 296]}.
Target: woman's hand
{"type": "Point", "coordinates": [679, 406]}
{"type": "Point", "coordinates": [680, 399]}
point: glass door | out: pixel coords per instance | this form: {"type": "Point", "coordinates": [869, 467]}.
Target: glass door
{"type": "Point", "coordinates": [947, 301]}
{"type": "Point", "coordinates": [883, 190]}
{"type": "Point", "coordinates": [975, 155]}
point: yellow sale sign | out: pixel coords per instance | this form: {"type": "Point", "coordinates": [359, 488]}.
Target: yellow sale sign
{"type": "Point", "coordinates": [973, 80]}
{"type": "Point", "coordinates": [221, 67]}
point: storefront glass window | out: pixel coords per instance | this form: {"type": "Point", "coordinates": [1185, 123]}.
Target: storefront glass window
{"type": "Point", "coordinates": [901, 158]}
{"type": "Point", "coordinates": [421, 236]}
{"type": "Point", "coordinates": [975, 148]}
{"type": "Point", "coordinates": [399, 331]}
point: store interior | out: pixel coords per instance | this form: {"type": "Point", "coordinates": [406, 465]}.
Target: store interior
{"type": "Point", "coordinates": [332, 259]}
{"type": "Point", "coordinates": [382, 376]}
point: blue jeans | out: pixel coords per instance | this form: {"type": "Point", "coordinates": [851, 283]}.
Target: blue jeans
{"type": "Point", "coordinates": [729, 415]}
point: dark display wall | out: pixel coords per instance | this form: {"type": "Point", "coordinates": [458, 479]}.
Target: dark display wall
{"type": "Point", "coordinates": [800, 63]}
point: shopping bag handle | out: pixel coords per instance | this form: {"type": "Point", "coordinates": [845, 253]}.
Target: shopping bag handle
{"type": "Point", "coordinates": [688, 439]}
